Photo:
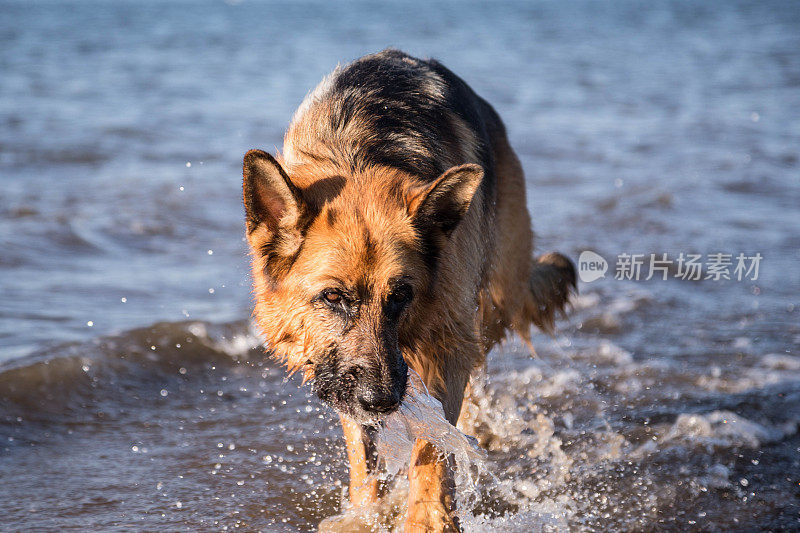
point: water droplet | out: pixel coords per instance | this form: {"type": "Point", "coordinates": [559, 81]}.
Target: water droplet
{"type": "Point", "coordinates": [123, 299]}
{"type": "Point", "coordinates": [188, 164]}
{"type": "Point", "coordinates": [90, 323]}
{"type": "Point", "coordinates": [164, 392]}
{"type": "Point", "coordinates": [210, 252]}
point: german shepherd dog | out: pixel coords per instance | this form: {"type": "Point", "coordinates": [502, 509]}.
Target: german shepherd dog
{"type": "Point", "coordinates": [392, 233]}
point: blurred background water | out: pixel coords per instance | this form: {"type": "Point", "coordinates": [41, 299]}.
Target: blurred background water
{"type": "Point", "coordinates": [133, 393]}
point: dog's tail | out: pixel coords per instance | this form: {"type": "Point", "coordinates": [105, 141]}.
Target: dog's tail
{"type": "Point", "coordinates": [552, 282]}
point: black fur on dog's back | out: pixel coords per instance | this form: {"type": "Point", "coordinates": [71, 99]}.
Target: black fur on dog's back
{"type": "Point", "coordinates": [411, 114]}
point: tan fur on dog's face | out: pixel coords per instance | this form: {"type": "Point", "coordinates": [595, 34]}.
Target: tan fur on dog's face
{"type": "Point", "coordinates": [341, 273]}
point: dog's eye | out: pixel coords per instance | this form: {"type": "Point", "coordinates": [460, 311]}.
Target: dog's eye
{"type": "Point", "coordinates": [332, 297]}
{"type": "Point", "coordinates": [400, 297]}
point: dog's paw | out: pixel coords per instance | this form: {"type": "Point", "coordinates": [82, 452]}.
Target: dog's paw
{"type": "Point", "coordinates": [430, 517]}
{"type": "Point", "coordinates": [355, 520]}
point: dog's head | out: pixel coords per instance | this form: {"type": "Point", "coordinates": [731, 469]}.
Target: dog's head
{"type": "Point", "coordinates": [342, 268]}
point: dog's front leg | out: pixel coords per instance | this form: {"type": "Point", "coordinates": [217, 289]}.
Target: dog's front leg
{"type": "Point", "coordinates": [431, 490]}
{"type": "Point", "coordinates": [363, 464]}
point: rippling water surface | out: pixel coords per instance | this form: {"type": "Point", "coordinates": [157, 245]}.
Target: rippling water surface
{"type": "Point", "coordinates": [134, 395]}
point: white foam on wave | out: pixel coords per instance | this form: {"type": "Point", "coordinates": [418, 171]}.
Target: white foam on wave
{"type": "Point", "coordinates": [776, 361]}
{"type": "Point", "coordinates": [525, 521]}
{"type": "Point", "coordinates": [236, 345]}
{"type": "Point", "coordinates": [725, 429]}
{"type": "Point", "coordinates": [241, 344]}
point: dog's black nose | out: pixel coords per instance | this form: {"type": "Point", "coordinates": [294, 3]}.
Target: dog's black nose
{"type": "Point", "coordinates": [378, 402]}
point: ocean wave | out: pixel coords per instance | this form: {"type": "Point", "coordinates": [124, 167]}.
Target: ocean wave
{"type": "Point", "coordinates": [71, 376]}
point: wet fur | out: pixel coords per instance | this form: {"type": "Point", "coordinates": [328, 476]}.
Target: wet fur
{"type": "Point", "coordinates": [365, 193]}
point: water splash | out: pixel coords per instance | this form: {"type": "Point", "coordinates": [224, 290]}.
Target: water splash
{"type": "Point", "coordinates": [421, 416]}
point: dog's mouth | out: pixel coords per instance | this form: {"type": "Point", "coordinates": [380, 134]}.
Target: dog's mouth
{"type": "Point", "coordinates": [357, 413]}
{"type": "Point", "coordinates": [359, 410]}
{"type": "Point", "coordinates": [351, 395]}
{"type": "Point", "coordinates": [364, 392]}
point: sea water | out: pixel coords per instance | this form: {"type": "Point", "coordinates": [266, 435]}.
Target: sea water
{"type": "Point", "coordinates": [134, 393]}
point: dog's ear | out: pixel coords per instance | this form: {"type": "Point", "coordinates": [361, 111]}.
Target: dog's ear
{"type": "Point", "coordinates": [270, 198]}
{"type": "Point", "coordinates": [444, 202]}
{"type": "Point", "coordinates": [273, 207]}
